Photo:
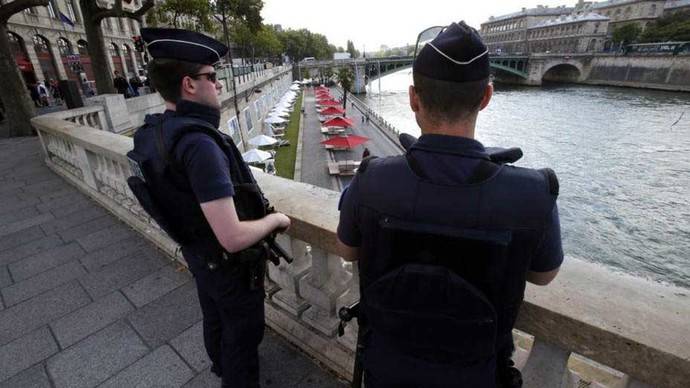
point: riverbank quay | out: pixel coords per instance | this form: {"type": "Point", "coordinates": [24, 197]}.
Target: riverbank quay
{"type": "Point", "coordinates": [315, 157]}
{"type": "Point", "coordinates": [85, 300]}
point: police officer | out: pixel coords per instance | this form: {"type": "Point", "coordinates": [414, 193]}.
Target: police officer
{"type": "Point", "coordinates": [447, 235]}
{"type": "Point", "coordinates": [201, 192]}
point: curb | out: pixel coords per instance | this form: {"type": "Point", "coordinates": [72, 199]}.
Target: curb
{"type": "Point", "coordinates": [297, 177]}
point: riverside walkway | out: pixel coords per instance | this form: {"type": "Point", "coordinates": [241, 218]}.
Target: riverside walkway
{"type": "Point", "coordinates": [315, 157]}
{"type": "Point", "coordinates": [85, 301]}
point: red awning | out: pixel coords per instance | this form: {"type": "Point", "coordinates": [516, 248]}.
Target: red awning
{"type": "Point", "coordinates": [23, 64]}
{"type": "Point", "coordinates": [341, 122]}
{"type": "Point", "coordinates": [323, 95]}
{"type": "Point", "coordinates": [329, 103]}
{"type": "Point", "coordinates": [350, 141]}
{"type": "Point", "coordinates": [332, 110]}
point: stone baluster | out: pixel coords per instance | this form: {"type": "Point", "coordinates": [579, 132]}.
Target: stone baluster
{"type": "Point", "coordinates": [326, 282]}
{"type": "Point", "coordinates": [547, 366]}
{"type": "Point", "coordinates": [351, 296]}
{"type": "Point", "coordinates": [287, 276]}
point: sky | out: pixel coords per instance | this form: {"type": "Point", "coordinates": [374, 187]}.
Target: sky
{"type": "Point", "coordinates": [394, 23]}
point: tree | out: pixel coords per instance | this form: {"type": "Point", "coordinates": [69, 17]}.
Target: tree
{"type": "Point", "coordinates": [13, 92]}
{"type": "Point", "coordinates": [94, 14]}
{"type": "Point", "coordinates": [351, 49]}
{"type": "Point", "coordinates": [193, 15]}
{"type": "Point", "coordinates": [626, 34]}
{"type": "Point", "coordinates": [346, 79]}
{"type": "Point", "coordinates": [670, 28]}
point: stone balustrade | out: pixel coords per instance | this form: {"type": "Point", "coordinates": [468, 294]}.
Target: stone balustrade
{"type": "Point", "coordinates": [589, 317]}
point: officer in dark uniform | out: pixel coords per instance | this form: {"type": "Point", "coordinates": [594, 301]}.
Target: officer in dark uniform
{"type": "Point", "coordinates": [192, 180]}
{"type": "Point", "coordinates": [447, 235]}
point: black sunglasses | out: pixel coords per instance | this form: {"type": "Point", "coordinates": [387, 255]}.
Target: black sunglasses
{"type": "Point", "coordinates": [427, 36]}
{"type": "Point", "coordinates": [211, 76]}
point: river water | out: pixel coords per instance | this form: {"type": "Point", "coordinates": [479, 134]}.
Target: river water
{"type": "Point", "coordinates": [622, 157]}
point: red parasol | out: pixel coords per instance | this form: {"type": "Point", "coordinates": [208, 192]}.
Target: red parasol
{"type": "Point", "coordinates": [341, 122]}
{"type": "Point", "coordinates": [329, 103]}
{"type": "Point", "coordinates": [350, 141]}
{"type": "Point", "coordinates": [332, 110]}
{"type": "Point", "coordinates": [325, 96]}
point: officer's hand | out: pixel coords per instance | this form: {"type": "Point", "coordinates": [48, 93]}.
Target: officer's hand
{"type": "Point", "coordinates": [282, 222]}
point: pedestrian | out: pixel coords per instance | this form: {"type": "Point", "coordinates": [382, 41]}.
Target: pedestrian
{"type": "Point", "coordinates": [135, 83]}
{"type": "Point", "coordinates": [365, 153]}
{"type": "Point", "coordinates": [33, 92]}
{"type": "Point", "coordinates": [42, 94]}
{"type": "Point", "coordinates": [207, 199]}
{"type": "Point", "coordinates": [362, 119]}
{"type": "Point", "coordinates": [446, 235]}
{"type": "Point", "coordinates": [121, 84]}
{"type": "Point", "coordinates": [55, 91]}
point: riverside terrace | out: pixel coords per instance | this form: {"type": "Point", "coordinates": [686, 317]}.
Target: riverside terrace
{"type": "Point", "coordinates": [588, 317]}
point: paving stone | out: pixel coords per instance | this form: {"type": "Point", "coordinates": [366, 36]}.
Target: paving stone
{"type": "Point", "coordinates": [155, 285]}
{"type": "Point", "coordinates": [65, 191]}
{"type": "Point", "coordinates": [190, 345]}
{"type": "Point", "coordinates": [13, 203]}
{"type": "Point", "coordinates": [5, 279]}
{"type": "Point", "coordinates": [161, 368]}
{"type": "Point", "coordinates": [34, 377]}
{"type": "Point", "coordinates": [90, 318]}
{"type": "Point", "coordinates": [321, 379]}
{"type": "Point", "coordinates": [41, 310]}
{"type": "Point", "coordinates": [64, 205]}
{"type": "Point", "coordinates": [71, 220]}
{"type": "Point", "coordinates": [22, 237]}
{"type": "Point", "coordinates": [12, 227]}
{"type": "Point", "coordinates": [29, 248]}
{"type": "Point", "coordinates": [282, 365]}
{"type": "Point", "coordinates": [11, 187]}
{"type": "Point", "coordinates": [44, 261]}
{"type": "Point", "coordinates": [121, 273]}
{"type": "Point", "coordinates": [87, 228]}
{"type": "Point", "coordinates": [26, 351]}
{"type": "Point", "coordinates": [96, 358]}
{"type": "Point", "coordinates": [18, 215]}
{"type": "Point", "coordinates": [167, 317]}
{"type": "Point", "coordinates": [205, 379]}
{"type": "Point", "coordinates": [105, 237]}
{"type": "Point", "coordinates": [42, 282]}
{"type": "Point", "coordinates": [53, 184]}
{"type": "Point", "coordinates": [94, 260]}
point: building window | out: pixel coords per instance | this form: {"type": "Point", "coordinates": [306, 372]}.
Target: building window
{"type": "Point", "coordinates": [83, 47]}
{"type": "Point", "coordinates": [64, 47]}
{"type": "Point", "coordinates": [40, 44]}
{"type": "Point", "coordinates": [52, 9]}
{"type": "Point", "coordinates": [70, 10]}
{"type": "Point", "coordinates": [114, 52]}
{"type": "Point", "coordinates": [652, 10]}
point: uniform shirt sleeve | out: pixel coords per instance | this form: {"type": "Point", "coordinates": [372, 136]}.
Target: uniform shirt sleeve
{"type": "Point", "coordinates": [549, 254]}
{"type": "Point", "coordinates": [348, 229]}
{"type": "Point", "coordinates": [207, 167]}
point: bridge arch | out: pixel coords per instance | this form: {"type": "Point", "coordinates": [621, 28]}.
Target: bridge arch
{"type": "Point", "coordinates": [562, 72]}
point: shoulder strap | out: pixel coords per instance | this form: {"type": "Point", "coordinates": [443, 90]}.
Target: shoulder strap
{"type": "Point", "coordinates": [191, 126]}
{"type": "Point", "coordinates": [483, 171]}
{"type": "Point", "coordinates": [414, 165]}
{"type": "Point", "coordinates": [364, 164]}
{"type": "Point", "coordinates": [551, 177]}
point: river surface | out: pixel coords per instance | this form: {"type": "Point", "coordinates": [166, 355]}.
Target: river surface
{"type": "Point", "coordinates": [622, 157]}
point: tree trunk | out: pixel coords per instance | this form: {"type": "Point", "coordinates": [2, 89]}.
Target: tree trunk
{"type": "Point", "coordinates": [19, 108]}
{"type": "Point", "coordinates": [97, 49]}
{"type": "Point", "coordinates": [344, 102]}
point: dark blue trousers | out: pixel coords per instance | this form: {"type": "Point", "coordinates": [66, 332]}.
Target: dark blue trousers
{"type": "Point", "coordinates": [233, 323]}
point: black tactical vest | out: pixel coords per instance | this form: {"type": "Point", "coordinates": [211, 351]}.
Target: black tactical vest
{"type": "Point", "coordinates": [163, 189]}
{"type": "Point", "coordinates": [443, 268]}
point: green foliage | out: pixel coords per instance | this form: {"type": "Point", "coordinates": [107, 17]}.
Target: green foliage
{"type": "Point", "coordinates": [627, 33]}
{"type": "Point", "coordinates": [286, 156]}
{"type": "Point", "coordinates": [196, 15]}
{"type": "Point", "coordinates": [304, 43]}
{"type": "Point", "coordinates": [346, 78]}
{"type": "Point", "coordinates": [351, 49]}
{"type": "Point", "coordinates": [246, 12]}
{"type": "Point", "coordinates": [675, 27]}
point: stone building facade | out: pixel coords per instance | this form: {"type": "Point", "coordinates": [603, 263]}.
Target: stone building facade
{"type": "Point", "coordinates": [508, 33]}
{"type": "Point", "coordinates": [622, 12]}
{"type": "Point", "coordinates": [45, 46]}
{"type": "Point", "coordinates": [568, 34]}
{"type": "Point", "coordinates": [673, 6]}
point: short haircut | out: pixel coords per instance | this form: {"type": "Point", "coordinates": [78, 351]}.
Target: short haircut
{"type": "Point", "coordinates": [167, 74]}
{"type": "Point", "coordinates": [449, 101]}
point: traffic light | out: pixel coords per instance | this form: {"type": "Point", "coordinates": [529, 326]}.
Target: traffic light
{"type": "Point", "coordinates": [138, 43]}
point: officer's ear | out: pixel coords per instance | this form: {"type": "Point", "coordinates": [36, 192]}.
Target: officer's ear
{"type": "Point", "coordinates": [414, 99]}
{"type": "Point", "coordinates": [188, 86]}
{"type": "Point", "coordinates": [488, 93]}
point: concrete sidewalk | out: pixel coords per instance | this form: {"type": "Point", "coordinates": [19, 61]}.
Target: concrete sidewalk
{"type": "Point", "coordinates": [85, 301]}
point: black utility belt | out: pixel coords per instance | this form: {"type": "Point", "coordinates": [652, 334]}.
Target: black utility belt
{"type": "Point", "coordinates": [248, 257]}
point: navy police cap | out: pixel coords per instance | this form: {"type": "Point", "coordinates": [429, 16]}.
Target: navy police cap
{"type": "Point", "coordinates": [183, 45]}
{"type": "Point", "coordinates": [457, 54]}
